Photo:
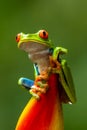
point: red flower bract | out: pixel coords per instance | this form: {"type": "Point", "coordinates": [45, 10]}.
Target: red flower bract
{"type": "Point", "coordinates": [43, 114]}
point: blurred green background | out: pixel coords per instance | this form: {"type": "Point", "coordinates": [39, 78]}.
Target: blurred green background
{"type": "Point", "coordinates": [66, 22]}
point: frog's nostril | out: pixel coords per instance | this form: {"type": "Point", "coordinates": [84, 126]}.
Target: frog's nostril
{"type": "Point", "coordinates": [18, 37]}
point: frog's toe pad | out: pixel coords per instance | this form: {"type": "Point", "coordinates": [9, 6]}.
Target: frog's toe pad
{"type": "Point", "coordinates": [34, 94]}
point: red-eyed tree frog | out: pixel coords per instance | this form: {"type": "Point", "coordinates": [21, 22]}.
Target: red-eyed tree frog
{"type": "Point", "coordinates": [46, 59]}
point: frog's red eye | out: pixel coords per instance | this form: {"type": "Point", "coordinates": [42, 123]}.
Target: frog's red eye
{"type": "Point", "coordinates": [18, 37]}
{"type": "Point", "coordinates": [43, 34]}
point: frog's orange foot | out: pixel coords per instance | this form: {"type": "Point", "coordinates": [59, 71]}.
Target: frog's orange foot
{"type": "Point", "coordinates": [41, 89]}
{"type": "Point", "coordinates": [54, 63]}
{"type": "Point", "coordinates": [43, 76]}
{"type": "Point", "coordinates": [34, 93]}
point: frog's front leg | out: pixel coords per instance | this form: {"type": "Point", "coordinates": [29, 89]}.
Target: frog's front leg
{"type": "Point", "coordinates": [33, 86]}
{"type": "Point", "coordinates": [42, 80]}
{"type": "Point", "coordinates": [64, 72]}
{"type": "Point", "coordinates": [58, 51]}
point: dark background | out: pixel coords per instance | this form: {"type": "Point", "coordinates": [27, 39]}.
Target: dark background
{"type": "Point", "coordinates": [66, 22]}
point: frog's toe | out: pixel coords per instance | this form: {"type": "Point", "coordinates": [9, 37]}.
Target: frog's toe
{"type": "Point", "coordinates": [34, 94]}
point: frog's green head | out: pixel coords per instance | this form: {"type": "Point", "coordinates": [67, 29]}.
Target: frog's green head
{"type": "Point", "coordinates": [38, 40]}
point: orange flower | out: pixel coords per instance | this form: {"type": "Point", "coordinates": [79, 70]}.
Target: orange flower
{"type": "Point", "coordinates": [43, 114]}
